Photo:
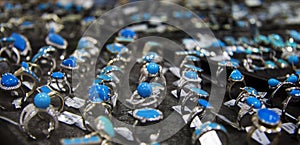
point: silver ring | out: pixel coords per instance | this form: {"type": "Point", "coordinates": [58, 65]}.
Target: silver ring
{"type": "Point", "coordinates": [190, 78]}
{"type": "Point", "coordinates": [235, 77]}
{"type": "Point", "coordinates": [58, 82]}
{"type": "Point", "coordinates": [44, 57]}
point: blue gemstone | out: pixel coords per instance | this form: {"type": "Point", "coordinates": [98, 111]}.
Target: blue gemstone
{"type": "Point", "coordinates": [70, 62]}
{"type": "Point", "coordinates": [99, 92]}
{"type": "Point", "coordinates": [291, 44]}
{"type": "Point", "coordinates": [254, 102]}
{"type": "Point", "coordinates": [150, 56]}
{"type": "Point", "coordinates": [204, 103]}
{"type": "Point", "coordinates": [293, 59]}
{"type": "Point", "coordinates": [230, 40]}
{"type": "Point", "coordinates": [25, 65]}
{"type": "Point", "coordinates": [295, 92]}
{"type": "Point", "coordinates": [56, 39]}
{"type": "Point", "coordinates": [9, 80]}
{"type": "Point", "coordinates": [200, 92]}
{"type": "Point", "coordinates": [20, 42]}
{"type": "Point", "coordinates": [292, 79]}
{"type": "Point", "coordinates": [192, 58]}
{"type": "Point", "coordinates": [144, 89]}
{"type": "Point", "coordinates": [147, 113]}
{"type": "Point", "coordinates": [115, 48]}
{"type": "Point", "coordinates": [110, 68]}
{"type": "Point", "coordinates": [218, 43]}
{"type": "Point", "coordinates": [236, 75]}
{"type": "Point", "coordinates": [128, 33]}
{"type": "Point", "coordinates": [45, 89]}
{"type": "Point", "coordinates": [268, 116]}
{"type": "Point", "coordinates": [89, 19]}
{"type": "Point", "coordinates": [191, 75]}
{"type": "Point", "coordinates": [251, 90]}
{"type": "Point", "coordinates": [57, 75]}
{"type": "Point", "coordinates": [152, 68]}
{"type": "Point", "coordinates": [295, 34]}
{"type": "Point", "coordinates": [107, 126]}
{"type": "Point", "coordinates": [42, 100]}
{"type": "Point", "coordinates": [270, 64]}
{"type": "Point", "coordinates": [104, 77]}
{"type": "Point", "coordinates": [273, 82]}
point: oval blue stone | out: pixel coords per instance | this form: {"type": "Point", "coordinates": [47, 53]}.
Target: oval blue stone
{"type": "Point", "coordinates": [128, 33]}
{"type": "Point", "coordinates": [254, 102]}
{"type": "Point", "coordinates": [144, 89]}
{"type": "Point", "coordinates": [191, 75]}
{"type": "Point", "coordinates": [9, 80]}
{"type": "Point", "coordinates": [42, 100]}
{"type": "Point", "coordinates": [55, 38]}
{"type": "Point", "coordinates": [236, 75]}
{"type": "Point", "coordinates": [204, 103]}
{"type": "Point", "coordinates": [268, 116]}
{"type": "Point", "coordinates": [107, 126]}
{"type": "Point", "coordinates": [295, 92]}
{"type": "Point", "coordinates": [147, 113]}
{"type": "Point", "coordinates": [69, 62]}
{"type": "Point", "coordinates": [99, 92]}
{"type": "Point", "coordinates": [20, 42]}
{"type": "Point", "coordinates": [115, 48]}
{"type": "Point", "coordinates": [152, 68]}
{"type": "Point", "coordinates": [57, 75]}
{"type": "Point", "coordinates": [292, 79]}
{"type": "Point", "coordinates": [293, 59]}
{"type": "Point", "coordinates": [273, 82]}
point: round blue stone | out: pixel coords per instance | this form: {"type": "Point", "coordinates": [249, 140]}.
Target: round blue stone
{"type": "Point", "coordinates": [268, 116]}
{"type": "Point", "coordinates": [295, 92]}
{"type": "Point", "coordinates": [144, 89]}
{"type": "Point", "coordinates": [147, 113]}
{"type": "Point", "coordinates": [70, 62]}
{"type": "Point", "coordinates": [107, 126]}
{"type": "Point", "coordinates": [55, 38]}
{"type": "Point", "coordinates": [20, 42]}
{"type": "Point", "coordinates": [254, 102]}
{"type": "Point", "coordinates": [292, 79]}
{"type": "Point", "coordinates": [42, 100]}
{"type": "Point", "coordinates": [293, 59]}
{"type": "Point", "coordinates": [152, 68]}
{"type": "Point", "coordinates": [273, 82]}
{"type": "Point", "coordinates": [57, 75]}
{"type": "Point", "coordinates": [236, 75]}
{"type": "Point", "coordinates": [191, 75]}
{"type": "Point", "coordinates": [128, 33]}
{"type": "Point", "coordinates": [99, 92]}
{"type": "Point", "coordinates": [204, 103]}
{"type": "Point", "coordinates": [9, 80]}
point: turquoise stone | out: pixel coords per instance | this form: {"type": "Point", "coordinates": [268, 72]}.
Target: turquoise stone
{"type": "Point", "coordinates": [144, 89]}
{"type": "Point", "coordinates": [70, 62]}
{"type": "Point", "coordinates": [295, 92]}
{"type": "Point", "coordinates": [57, 75]}
{"type": "Point", "coordinates": [254, 102]}
{"type": "Point", "coordinates": [127, 33]}
{"type": "Point", "coordinates": [99, 93]}
{"type": "Point", "coordinates": [293, 59]}
{"type": "Point", "coordinates": [268, 116]}
{"type": "Point", "coordinates": [56, 39]}
{"type": "Point", "coordinates": [20, 42]}
{"type": "Point", "coordinates": [192, 58]}
{"type": "Point", "coordinates": [115, 48]}
{"type": "Point", "coordinates": [251, 90]}
{"type": "Point", "coordinates": [205, 104]}
{"type": "Point", "coordinates": [107, 126]}
{"type": "Point", "coordinates": [191, 75]}
{"type": "Point", "coordinates": [45, 89]}
{"type": "Point", "coordinates": [295, 34]}
{"type": "Point", "coordinates": [152, 68]}
{"type": "Point", "coordinates": [200, 92]}
{"type": "Point", "coordinates": [42, 100]}
{"type": "Point", "coordinates": [9, 80]}
{"type": "Point", "coordinates": [236, 75]}
{"type": "Point", "coordinates": [194, 68]}
{"type": "Point", "coordinates": [273, 82]}
{"type": "Point", "coordinates": [150, 56]}
{"type": "Point", "coordinates": [147, 113]}
{"type": "Point", "coordinates": [292, 79]}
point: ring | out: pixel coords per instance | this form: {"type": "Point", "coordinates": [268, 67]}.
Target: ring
{"type": "Point", "coordinates": [234, 77]}
{"type": "Point", "coordinates": [23, 45]}
{"type": "Point", "coordinates": [11, 85]}
{"type": "Point", "coordinates": [293, 92]}
{"type": "Point", "coordinates": [199, 109]}
{"type": "Point", "coordinates": [53, 94]}
{"type": "Point", "coordinates": [226, 65]}
{"type": "Point", "coordinates": [101, 93]}
{"type": "Point", "coordinates": [39, 109]}
{"type": "Point", "coordinates": [190, 78]}
{"type": "Point", "coordinates": [119, 54]}
{"type": "Point", "coordinates": [58, 82]}
{"type": "Point", "coordinates": [28, 76]}
{"type": "Point", "coordinates": [147, 95]}
{"type": "Point", "coordinates": [246, 92]}
{"type": "Point", "coordinates": [275, 84]}
{"type": "Point", "coordinates": [10, 52]}
{"type": "Point", "coordinates": [59, 42]}
{"type": "Point", "coordinates": [67, 66]}
{"type": "Point", "coordinates": [189, 59]}
{"type": "Point", "coordinates": [83, 57]}
{"type": "Point", "coordinates": [250, 66]}
{"type": "Point", "coordinates": [44, 57]}
{"type": "Point", "coordinates": [113, 71]}
{"type": "Point", "coordinates": [265, 120]}
{"type": "Point", "coordinates": [152, 71]}
{"type": "Point", "coordinates": [253, 104]}
{"type": "Point", "coordinates": [147, 115]}
{"type": "Point", "coordinates": [209, 127]}
{"type": "Point", "coordinates": [88, 44]}
{"type": "Point", "coordinates": [195, 93]}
